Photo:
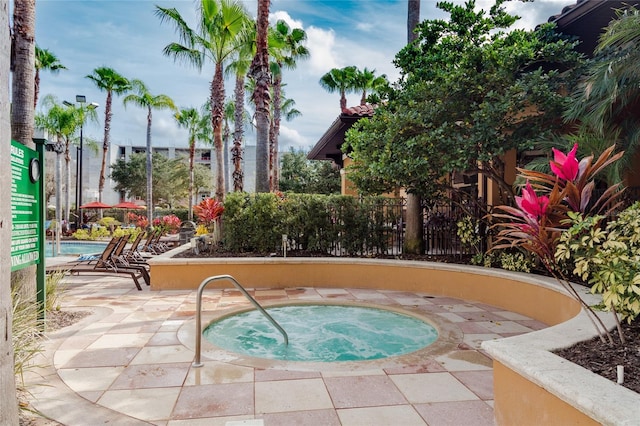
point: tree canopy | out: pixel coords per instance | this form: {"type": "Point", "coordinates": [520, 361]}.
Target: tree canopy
{"type": "Point", "coordinates": [170, 178]}
{"type": "Point", "coordinates": [470, 91]}
{"type": "Point", "coordinates": [300, 175]}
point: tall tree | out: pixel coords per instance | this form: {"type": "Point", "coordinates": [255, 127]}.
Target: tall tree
{"type": "Point", "coordinates": [290, 50]}
{"type": "Point", "coordinates": [471, 91]}
{"type": "Point", "coordinates": [197, 126]}
{"type": "Point", "coordinates": [23, 71]}
{"type": "Point", "coordinates": [144, 99]}
{"type": "Point", "coordinates": [107, 80]}
{"type": "Point", "coordinates": [22, 123]}
{"type": "Point", "coordinates": [339, 80]}
{"type": "Point", "coordinates": [239, 66]}
{"type": "Point", "coordinates": [607, 99]}
{"type": "Point", "coordinates": [221, 28]}
{"type": "Point", "coordinates": [8, 398]}
{"type": "Point", "coordinates": [414, 239]}
{"type": "Point", "coordinates": [367, 82]}
{"type": "Point", "coordinates": [413, 19]}
{"type": "Point", "coordinates": [229, 112]}
{"type": "Point", "coordinates": [261, 74]}
{"type": "Point", "coordinates": [63, 122]}
{"type": "Point", "coordinates": [46, 61]}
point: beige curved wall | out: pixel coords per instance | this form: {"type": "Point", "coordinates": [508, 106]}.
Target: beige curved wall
{"type": "Point", "coordinates": [534, 298]}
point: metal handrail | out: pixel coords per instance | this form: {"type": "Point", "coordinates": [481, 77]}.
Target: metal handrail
{"type": "Point", "coordinates": [203, 284]}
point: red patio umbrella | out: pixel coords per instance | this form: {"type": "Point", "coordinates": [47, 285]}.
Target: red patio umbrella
{"type": "Point", "coordinates": [128, 205]}
{"type": "Point", "coordinates": [95, 205]}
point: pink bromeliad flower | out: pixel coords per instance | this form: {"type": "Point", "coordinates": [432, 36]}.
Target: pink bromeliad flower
{"type": "Point", "coordinates": [565, 166]}
{"type": "Point", "coordinates": [531, 204]}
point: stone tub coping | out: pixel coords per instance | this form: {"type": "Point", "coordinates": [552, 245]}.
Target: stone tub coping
{"type": "Point", "coordinates": [530, 356]}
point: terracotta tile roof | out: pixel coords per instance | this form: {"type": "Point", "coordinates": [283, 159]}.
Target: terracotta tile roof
{"type": "Point", "coordinates": [360, 110]}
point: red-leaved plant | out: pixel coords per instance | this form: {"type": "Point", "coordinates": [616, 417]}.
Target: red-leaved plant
{"type": "Point", "coordinates": [209, 211]}
{"type": "Point", "coordinates": [139, 220]}
{"type": "Point", "coordinates": [541, 214]}
{"type": "Point", "coordinates": [169, 224]}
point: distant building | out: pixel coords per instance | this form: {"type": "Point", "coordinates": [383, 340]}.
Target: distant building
{"type": "Point", "coordinates": [92, 161]}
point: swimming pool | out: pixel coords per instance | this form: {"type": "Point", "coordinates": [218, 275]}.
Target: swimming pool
{"type": "Point", "coordinates": [72, 248]}
{"type": "Point", "coordinates": [322, 333]}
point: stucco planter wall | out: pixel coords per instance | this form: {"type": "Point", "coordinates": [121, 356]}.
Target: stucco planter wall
{"type": "Point", "coordinates": [532, 386]}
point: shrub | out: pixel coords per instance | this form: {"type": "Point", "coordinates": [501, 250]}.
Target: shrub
{"type": "Point", "coordinates": [169, 224]}
{"type": "Point", "coordinates": [109, 222]}
{"type": "Point", "coordinates": [312, 222]}
{"type": "Point", "coordinates": [547, 206]}
{"type": "Point", "coordinates": [208, 212]}
{"type": "Point", "coordinates": [139, 221]}
{"type": "Point", "coordinates": [608, 258]}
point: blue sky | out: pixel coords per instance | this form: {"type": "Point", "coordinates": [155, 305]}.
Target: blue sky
{"type": "Point", "coordinates": [128, 37]}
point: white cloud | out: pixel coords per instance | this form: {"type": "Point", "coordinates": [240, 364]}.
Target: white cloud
{"type": "Point", "coordinates": [364, 26]}
{"type": "Point", "coordinates": [284, 16]}
{"type": "Point", "coordinates": [292, 138]}
{"type": "Point", "coordinates": [321, 44]}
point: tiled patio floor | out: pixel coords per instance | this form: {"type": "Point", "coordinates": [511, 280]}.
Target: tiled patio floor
{"type": "Point", "coordinates": [128, 364]}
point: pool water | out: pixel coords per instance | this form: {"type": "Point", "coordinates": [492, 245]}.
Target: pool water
{"type": "Point", "coordinates": [323, 333]}
{"type": "Point", "coordinates": [75, 248]}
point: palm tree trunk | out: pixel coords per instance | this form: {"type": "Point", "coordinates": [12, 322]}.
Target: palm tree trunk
{"type": "Point", "coordinates": [22, 123]}
{"type": "Point", "coordinates": [238, 133]}
{"type": "Point", "coordinates": [413, 19]}
{"type": "Point", "coordinates": [36, 88]}
{"type": "Point", "coordinates": [67, 182]}
{"type": "Point", "coordinates": [274, 133]}
{"type": "Point", "coordinates": [105, 144]}
{"type": "Point", "coordinates": [414, 236]}
{"type": "Point", "coordinates": [217, 114]}
{"type": "Point", "coordinates": [23, 72]}
{"type": "Point", "coordinates": [192, 154]}
{"type": "Point", "coordinates": [414, 239]}
{"type": "Point", "coordinates": [225, 157]}
{"type": "Point", "coordinates": [8, 399]}
{"type": "Point", "coordinates": [262, 77]}
{"type": "Point", "coordinates": [149, 171]}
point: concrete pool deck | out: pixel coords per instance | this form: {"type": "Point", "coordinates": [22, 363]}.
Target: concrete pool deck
{"type": "Point", "coordinates": [125, 364]}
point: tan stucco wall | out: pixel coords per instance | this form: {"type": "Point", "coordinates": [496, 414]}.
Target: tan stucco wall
{"type": "Point", "coordinates": [517, 401]}
{"type": "Point", "coordinates": [498, 289]}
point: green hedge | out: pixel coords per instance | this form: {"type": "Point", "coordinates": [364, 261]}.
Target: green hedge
{"type": "Point", "coordinates": [329, 224]}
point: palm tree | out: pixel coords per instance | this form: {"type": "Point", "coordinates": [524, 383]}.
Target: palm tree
{"type": "Point", "coordinates": [366, 80]}
{"type": "Point", "coordinates": [23, 71]}
{"type": "Point", "coordinates": [64, 122]}
{"type": "Point", "coordinates": [289, 51]}
{"type": "Point", "coordinates": [607, 99]}
{"type": "Point", "coordinates": [261, 74]}
{"type": "Point", "coordinates": [221, 27]}
{"type": "Point", "coordinates": [107, 80]}
{"type": "Point", "coordinates": [197, 126]}
{"type": "Point", "coordinates": [339, 80]}
{"type": "Point", "coordinates": [144, 99]}
{"type": "Point", "coordinates": [240, 67]}
{"type": "Point", "coordinates": [8, 398]}
{"type": "Point", "coordinates": [414, 240]}
{"type": "Point", "coordinates": [47, 61]}
{"type": "Point", "coordinates": [288, 112]}
{"type": "Point", "coordinates": [229, 112]}
{"type": "Point", "coordinates": [413, 19]}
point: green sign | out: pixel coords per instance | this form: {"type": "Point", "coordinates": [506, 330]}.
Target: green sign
{"type": "Point", "coordinates": [26, 213]}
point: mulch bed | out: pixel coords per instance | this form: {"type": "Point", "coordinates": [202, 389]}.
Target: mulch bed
{"type": "Point", "coordinates": [603, 359]}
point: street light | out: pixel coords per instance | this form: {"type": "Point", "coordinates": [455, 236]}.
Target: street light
{"type": "Point", "coordinates": [81, 99]}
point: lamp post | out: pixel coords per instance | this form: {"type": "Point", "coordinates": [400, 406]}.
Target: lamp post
{"type": "Point", "coordinates": [81, 99]}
